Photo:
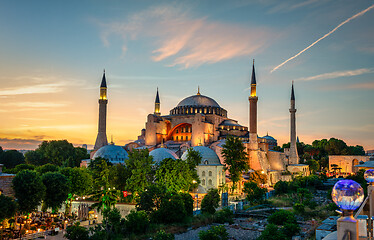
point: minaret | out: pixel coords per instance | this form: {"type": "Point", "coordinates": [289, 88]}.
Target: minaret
{"type": "Point", "coordinates": [101, 139]}
{"type": "Point", "coordinates": [293, 157]}
{"type": "Point", "coordinates": [157, 105]}
{"type": "Point", "coordinates": [253, 111]}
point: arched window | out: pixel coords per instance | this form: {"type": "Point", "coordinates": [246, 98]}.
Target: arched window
{"type": "Point", "coordinates": [176, 138]}
{"type": "Point", "coordinates": [203, 174]}
{"type": "Point", "coordinates": [177, 131]}
{"type": "Point", "coordinates": [203, 182]}
{"type": "Point", "coordinates": [186, 137]}
{"type": "Point", "coordinates": [182, 138]}
{"type": "Point", "coordinates": [210, 173]}
{"type": "Point", "coordinates": [210, 182]}
{"type": "Point", "coordinates": [206, 162]}
{"type": "Point", "coordinates": [354, 163]}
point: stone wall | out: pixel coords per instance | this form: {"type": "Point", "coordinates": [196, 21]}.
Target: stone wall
{"type": "Point", "coordinates": [346, 163]}
{"type": "Point", "coordinates": [6, 184]}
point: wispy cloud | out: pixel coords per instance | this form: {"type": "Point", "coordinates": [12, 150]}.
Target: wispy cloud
{"type": "Point", "coordinates": [38, 104]}
{"type": "Point", "coordinates": [337, 74]}
{"type": "Point", "coordinates": [324, 36]}
{"type": "Point", "coordinates": [187, 41]}
{"type": "Point", "coordinates": [38, 88]}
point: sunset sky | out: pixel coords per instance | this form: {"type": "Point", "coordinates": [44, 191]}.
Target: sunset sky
{"type": "Point", "coordinates": [52, 56]}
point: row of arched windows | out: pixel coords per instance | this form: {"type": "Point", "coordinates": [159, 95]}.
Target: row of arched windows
{"type": "Point", "coordinates": [210, 182]}
{"type": "Point", "coordinates": [203, 174]}
{"type": "Point", "coordinates": [193, 110]}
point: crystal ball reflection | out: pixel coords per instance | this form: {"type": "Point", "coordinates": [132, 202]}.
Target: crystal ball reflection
{"type": "Point", "coordinates": [347, 194]}
{"type": "Point", "coordinates": [369, 175]}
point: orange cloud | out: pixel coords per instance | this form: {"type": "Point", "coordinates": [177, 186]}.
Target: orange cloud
{"type": "Point", "coordinates": [188, 41]}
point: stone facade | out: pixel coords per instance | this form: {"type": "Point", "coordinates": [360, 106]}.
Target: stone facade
{"type": "Point", "coordinates": [6, 183]}
{"type": "Point", "coordinates": [346, 163]}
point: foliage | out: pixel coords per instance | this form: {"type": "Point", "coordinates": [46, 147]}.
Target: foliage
{"type": "Point", "coordinates": [47, 168]}
{"type": "Point", "coordinates": [29, 190]}
{"type": "Point", "coordinates": [299, 208]}
{"type": "Point", "coordinates": [7, 207]}
{"type": "Point", "coordinates": [140, 165]}
{"type": "Point", "coordinates": [258, 177]}
{"type": "Point", "coordinates": [171, 210]}
{"type": "Point", "coordinates": [314, 166]}
{"type": "Point", "coordinates": [235, 159]}
{"type": "Point", "coordinates": [193, 159]}
{"type": "Point", "coordinates": [57, 151]}
{"type": "Point", "coordinates": [282, 217]}
{"type": "Point", "coordinates": [57, 189]}
{"type": "Point", "coordinates": [99, 169]}
{"type": "Point", "coordinates": [76, 232]}
{"type": "Point", "coordinates": [188, 203]}
{"type": "Point", "coordinates": [255, 194]}
{"type": "Point", "coordinates": [137, 221]}
{"type": "Point", "coordinates": [303, 195]}
{"type": "Point", "coordinates": [106, 198]}
{"type": "Point", "coordinates": [80, 180]}
{"type": "Point", "coordinates": [175, 175]}
{"type": "Point", "coordinates": [290, 229]}
{"type": "Point", "coordinates": [150, 199]}
{"type": "Point", "coordinates": [35, 158]}
{"type": "Point", "coordinates": [224, 216]}
{"type": "Point", "coordinates": [111, 228]}
{"type": "Point", "coordinates": [162, 235]}
{"type": "Point", "coordinates": [21, 167]}
{"type": "Point", "coordinates": [281, 187]}
{"type": "Point", "coordinates": [214, 233]}
{"type": "Point", "coordinates": [118, 176]}
{"type": "Point", "coordinates": [11, 158]}
{"type": "Point", "coordinates": [272, 232]}
{"type": "Point", "coordinates": [210, 202]}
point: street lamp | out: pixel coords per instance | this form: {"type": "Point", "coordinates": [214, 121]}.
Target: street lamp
{"type": "Point", "coordinates": [348, 196]}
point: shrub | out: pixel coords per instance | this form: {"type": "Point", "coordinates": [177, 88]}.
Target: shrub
{"type": "Point", "coordinates": [214, 233]}
{"type": "Point", "coordinates": [188, 203]}
{"type": "Point", "coordinates": [210, 201]}
{"type": "Point", "coordinates": [282, 217]}
{"type": "Point", "coordinates": [137, 222]}
{"type": "Point", "coordinates": [223, 216]}
{"type": "Point", "coordinates": [255, 194]}
{"type": "Point", "coordinates": [162, 235]}
{"type": "Point", "coordinates": [272, 232]}
{"type": "Point", "coordinates": [281, 187]}
{"type": "Point", "coordinates": [299, 208]}
{"type": "Point", "coordinates": [171, 211]}
{"type": "Point", "coordinates": [76, 232]}
{"type": "Point", "coordinates": [290, 229]}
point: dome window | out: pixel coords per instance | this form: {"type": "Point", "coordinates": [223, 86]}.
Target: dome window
{"type": "Point", "coordinates": [206, 162]}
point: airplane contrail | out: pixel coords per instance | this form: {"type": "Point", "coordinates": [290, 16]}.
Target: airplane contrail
{"type": "Point", "coordinates": [324, 36]}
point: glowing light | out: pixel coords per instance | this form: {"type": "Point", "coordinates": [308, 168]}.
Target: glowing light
{"type": "Point", "coordinates": [347, 194]}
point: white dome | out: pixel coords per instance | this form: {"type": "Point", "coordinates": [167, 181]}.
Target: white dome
{"type": "Point", "coordinates": [113, 153]}
{"type": "Point", "coordinates": [160, 154]}
{"type": "Point", "coordinates": [209, 157]}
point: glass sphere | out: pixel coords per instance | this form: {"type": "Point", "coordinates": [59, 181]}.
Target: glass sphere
{"type": "Point", "coordinates": [347, 194]}
{"type": "Point", "coordinates": [369, 175]}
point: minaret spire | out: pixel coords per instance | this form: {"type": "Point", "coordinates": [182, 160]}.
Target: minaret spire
{"type": "Point", "coordinates": [198, 90]}
{"type": "Point", "coordinates": [101, 139]}
{"type": "Point", "coordinates": [293, 157]}
{"type": "Point", "coordinates": [157, 104]}
{"type": "Point", "coordinates": [253, 110]}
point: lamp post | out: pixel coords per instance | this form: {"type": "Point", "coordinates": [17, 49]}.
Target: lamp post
{"type": "Point", "coordinates": [369, 177]}
{"type": "Point", "coordinates": [348, 196]}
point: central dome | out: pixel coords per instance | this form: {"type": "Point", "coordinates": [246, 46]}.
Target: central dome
{"type": "Point", "coordinates": [198, 100]}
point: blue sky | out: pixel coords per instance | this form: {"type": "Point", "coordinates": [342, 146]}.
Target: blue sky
{"type": "Point", "coordinates": [53, 54]}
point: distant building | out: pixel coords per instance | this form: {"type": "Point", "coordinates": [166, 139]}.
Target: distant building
{"type": "Point", "coordinates": [344, 164]}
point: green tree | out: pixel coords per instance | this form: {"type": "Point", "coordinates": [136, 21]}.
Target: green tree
{"type": "Point", "coordinates": [258, 177]}
{"type": "Point", "coordinates": [118, 176]}
{"type": "Point", "coordinates": [313, 165]}
{"type": "Point", "coordinates": [140, 164]}
{"type": "Point", "coordinates": [57, 189]}
{"type": "Point", "coordinates": [281, 187]}
{"type": "Point", "coordinates": [171, 210]}
{"type": "Point", "coordinates": [214, 233]}
{"type": "Point", "coordinates": [29, 190]}
{"type": "Point", "coordinates": [175, 175]}
{"type": "Point", "coordinates": [150, 199]}
{"type": "Point", "coordinates": [193, 160]}
{"type": "Point", "coordinates": [80, 182]}
{"type": "Point", "coordinates": [272, 232]}
{"type": "Point", "coordinates": [11, 158]}
{"type": "Point", "coordinates": [137, 221]}
{"type": "Point", "coordinates": [255, 194]}
{"type": "Point", "coordinates": [36, 158]}
{"type": "Point", "coordinates": [7, 207]}
{"type": "Point", "coordinates": [76, 232]}
{"type": "Point", "coordinates": [162, 235]}
{"type": "Point", "coordinates": [21, 167]}
{"type": "Point", "coordinates": [58, 151]}
{"type": "Point", "coordinates": [235, 159]}
{"type": "Point", "coordinates": [47, 168]}
{"type": "Point", "coordinates": [210, 202]}
{"type": "Point", "coordinates": [282, 217]}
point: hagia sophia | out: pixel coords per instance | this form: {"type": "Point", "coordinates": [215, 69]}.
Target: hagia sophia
{"type": "Point", "coordinates": [199, 122]}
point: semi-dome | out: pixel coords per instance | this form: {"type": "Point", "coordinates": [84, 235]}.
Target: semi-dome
{"type": "Point", "coordinates": [160, 154]}
{"type": "Point", "coordinates": [198, 101]}
{"type": "Point", "coordinates": [113, 153]}
{"type": "Point", "coordinates": [209, 157]}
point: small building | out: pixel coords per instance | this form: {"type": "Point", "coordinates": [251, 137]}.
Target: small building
{"type": "Point", "coordinates": [346, 164]}
{"type": "Point", "coordinates": [6, 183]}
{"type": "Point", "coordinates": [210, 170]}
